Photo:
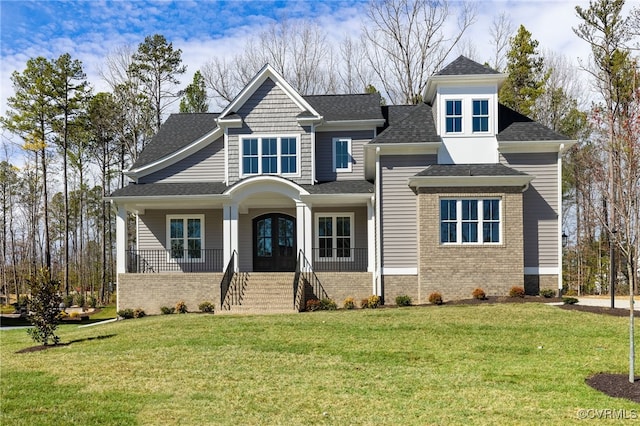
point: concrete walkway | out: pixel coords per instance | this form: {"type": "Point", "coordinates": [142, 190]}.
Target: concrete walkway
{"type": "Point", "coordinates": [620, 301]}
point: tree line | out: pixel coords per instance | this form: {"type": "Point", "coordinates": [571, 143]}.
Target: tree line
{"type": "Point", "coordinates": [76, 144]}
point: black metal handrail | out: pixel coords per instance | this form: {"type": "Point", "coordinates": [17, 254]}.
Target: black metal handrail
{"type": "Point", "coordinates": [306, 285]}
{"type": "Point", "coordinates": [150, 261]}
{"type": "Point", "coordinates": [226, 279]}
{"type": "Point", "coordinates": [340, 259]}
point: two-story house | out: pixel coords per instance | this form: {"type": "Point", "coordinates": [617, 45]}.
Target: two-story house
{"type": "Point", "coordinates": [282, 197]}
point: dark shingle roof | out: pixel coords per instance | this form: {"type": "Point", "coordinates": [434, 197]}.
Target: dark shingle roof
{"type": "Point", "coordinates": [341, 187]}
{"type": "Point", "coordinates": [178, 131]}
{"type": "Point", "coordinates": [414, 125]}
{"type": "Point", "coordinates": [347, 107]}
{"type": "Point", "coordinates": [465, 66]}
{"type": "Point", "coordinates": [470, 170]}
{"type": "Point", "coordinates": [513, 126]}
{"type": "Point", "coordinates": [160, 189]}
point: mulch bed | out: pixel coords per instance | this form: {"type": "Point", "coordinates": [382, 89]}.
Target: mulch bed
{"type": "Point", "coordinates": [616, 312]}
{"type": "Point", "coordinates": [616, 385]}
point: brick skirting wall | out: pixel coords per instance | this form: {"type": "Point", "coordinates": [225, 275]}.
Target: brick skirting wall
{"type": "Point", "coordinates": [152, 291]}
{"type": "Point", "coordinates": [399, 285]}
{"type": "Point", "coordinates": [456, 270]}
{"type": "Point", "coordinates": [340, 285]}
{"type": "Point", "coordinates": [534, 283]}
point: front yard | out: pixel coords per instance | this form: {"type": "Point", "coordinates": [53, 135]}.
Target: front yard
{"type": "Point", "coordinates": [483, 364]}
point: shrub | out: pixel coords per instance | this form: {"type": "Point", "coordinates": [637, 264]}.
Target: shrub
{"type": "Point", "coordinates": [206, 307]}
{"type": "Point", "coordinates": [92, 301]}
{"type": "Point", "coordinates": [569, 300]}
{"type": "Point", "coordinates": [479, 294]}
{"type": "Point", "coordinates": [79, 299]}
{"type": "Point", "coordinates": [372, 302]}
{"type": "Point", "coordinates": [74, 315]}
{"type": "Point", "coordinates": [68, 300]}
{"type": "Point", "coordinates": [125, 313]}
{"type": "Point", "coordinates": [44, 308]}
{"type": "Point", "coordinates": [165, 310]}
{"type": "Point", "coordinates": [435, 298]}
{"type": "Point", "coordinates": [516, 291]}
{"type": "Point", "coordinates": [364, 303]}
{"type": "Point", "coordinates": [313, 305]}
{"type": "Point", "coordinates": [181, 307]}
{"type": "Point", "coordinates": [403, 300]}
{"type": "Point", "coordinates": [571, 292]}
{"type": "Point", "coordinates": [138, 313]}
{"type": "Point", "coordinates": [547, 293]}
{"type": "Point", "coordinates": [328, 305]}
{"type": "Point", "coordinates": [349, 303]}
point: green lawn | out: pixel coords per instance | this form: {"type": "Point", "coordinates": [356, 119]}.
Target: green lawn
{"type": "Point", "coordinates": [490, 364]}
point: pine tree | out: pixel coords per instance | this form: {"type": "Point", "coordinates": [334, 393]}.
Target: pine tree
{"type": "Point", "coordinates": [195, 96]}
{"type": "Point", "coordinates": [526, 79]}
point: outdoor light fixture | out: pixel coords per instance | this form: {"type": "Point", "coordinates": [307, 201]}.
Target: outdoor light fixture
{"type": "Point", "coordinates": [565, 239]}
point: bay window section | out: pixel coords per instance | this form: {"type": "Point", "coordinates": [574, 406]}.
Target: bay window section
{"type": "Point", "coordinates": [462, 223]}
{"type": "Point", "coordinates": [275, 155]}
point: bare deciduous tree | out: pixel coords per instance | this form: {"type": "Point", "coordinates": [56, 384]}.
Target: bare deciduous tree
{"type": "Point", "coordinates": [407, 40]}
{"type": "Point", "coordinates": [501, 32]}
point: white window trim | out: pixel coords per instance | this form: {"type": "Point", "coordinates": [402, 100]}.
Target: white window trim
{"type": "Point", "coordinates": [488, 116]}
{"type": "Point", "coordinates": [462, 109]}
{"type": "Point", "coordinates": [333, 216]}
{"type": "Point", "coordinates": [185, 218]}
{"type": "Point", "coordinates": [480, 222]}
{"type": "Point", "coordinates": [279, 138]}
{"type": "Point", "coordinates": [349, 152]}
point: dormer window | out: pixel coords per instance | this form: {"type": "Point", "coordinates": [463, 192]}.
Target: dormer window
{"type": "Point", "coordinates": [273, 155]}
{"type": "Point", "coordinates": [454, 116]}
{"type": "Point", "coordinates": [480, 117]}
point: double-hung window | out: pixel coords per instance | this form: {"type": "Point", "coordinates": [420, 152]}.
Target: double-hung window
{"type": "Point", "coordinates": [334, 236]}
{"type": "Point", "coordinates": [454, 116]}
{"type": "Point", "coordinates": [342, 154]}
{"type": "Point", "coordinates": [470, 221]}
{"type": "Point", "coordinates": [276, 155]}
{"type": "Point", "coordinates": [185, 237]}
{"type": "Point", "coordinates": [480, 118]}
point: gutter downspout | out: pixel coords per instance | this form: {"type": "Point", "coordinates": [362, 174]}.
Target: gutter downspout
{"type": "Point", "coordinates": [559, 239]}
{"type": "Point", "coordinates": [377, 278]}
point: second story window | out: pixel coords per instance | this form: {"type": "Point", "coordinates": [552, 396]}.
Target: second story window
{"type": "Point", "coordinates": [275, 155]}
{"type": "Point", "coordinates": [342, 154]}
{"type": "Point", "coordinates": [454, 116]}
{"type": "Point", "coordinates": [480, 115]}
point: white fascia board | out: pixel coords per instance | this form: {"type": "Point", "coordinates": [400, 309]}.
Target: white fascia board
{"type": "Point", "coordinates": [535, 146]}
{"type": "Point", "coordinates": [466, 181]}
{"type": "Point", "coordinates": [139, 204]}
{"type": "Point", "coordinates": [267, 72]}
{"type": "Point", "coordinates": [482, 79]}
{"type": "Point", "coordinates": [320, 200]}
{"type": "Point", "coordinates": [538, 270]}
{"type": "Point", "coordinates": [351, 125]}
{"type": "Point", "coordinates": [177, 155]}
{"type": "Point", "coordinates": [309, 121]}
{"type": "Point", "coordinates": [230, 123]}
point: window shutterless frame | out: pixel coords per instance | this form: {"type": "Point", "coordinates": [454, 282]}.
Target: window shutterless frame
{"type": "Point", "coordinates": [470, 221]}
{"type": "Point", "coordinates": [185, 238]}
{"type": "Point", "coordinates": [341, 153]}
{"type": "Point", "coordinates": [269, 154]}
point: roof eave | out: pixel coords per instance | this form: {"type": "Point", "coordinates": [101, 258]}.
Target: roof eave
{"type": "Point", "coordinates": [435, 80]}
{"type": "Point", "coordinates": [535, 146]}
{"type": "Point", "coordinates": [352, 124]}
{"type": "Point", "coordinates": [469, 181]}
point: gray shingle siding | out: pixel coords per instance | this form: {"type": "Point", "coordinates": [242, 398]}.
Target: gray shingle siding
{"type": "Point", "coordinates": [152, 228]}
{"type": "Point", "coordinates": [269, 111]}
{"type": "Point", "coordinates": [324, 154]}
{"type": "Point", "coordinates": [540, 206]}
{"type": "Point", "coordinates": [398, 207]}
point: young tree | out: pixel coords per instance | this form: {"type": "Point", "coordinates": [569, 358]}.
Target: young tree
{"type": "Point", "coordinates": [500, 32]}
{"type": "Point", "coordinates": [44, 307]}
{"type": "Point", "coordinates": [156, 64]}
{"type": "Point", "coordinates": [195, 96]}
{"type": "Point", "coordinates": [407, 40]}
{"type": "Point", "coordinates": [526, 77]}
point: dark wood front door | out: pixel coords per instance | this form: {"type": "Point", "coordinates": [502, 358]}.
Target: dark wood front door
{"type": "Point", "coordinates": [274, 243]}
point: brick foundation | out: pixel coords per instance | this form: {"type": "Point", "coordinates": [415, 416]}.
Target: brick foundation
{"type": "Point", "coordinates": [398, 285]}
{"type": "Point", "coordinates": [340, 285]}
{"type": "Point", "coordinates": [152, 291]}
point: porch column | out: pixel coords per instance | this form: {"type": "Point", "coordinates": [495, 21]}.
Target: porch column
{"type": "Point", "coordinates": [230, 233]}
{"type": "Point", "coordinates": [371, 236]}
{"type": "Point", "coordinates": [304, 229]}
{"type": "Point", "coordinates": [121, 240]}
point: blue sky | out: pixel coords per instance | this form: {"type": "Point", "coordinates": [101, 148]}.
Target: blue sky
{"type": "Point", "coordinates": [90, 30]}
